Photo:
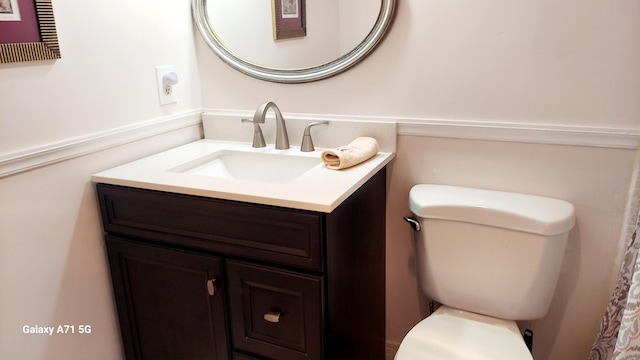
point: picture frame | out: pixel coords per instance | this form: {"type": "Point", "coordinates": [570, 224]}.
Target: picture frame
{"type": "Point", "coordinates": [31, 38]}
{"type": "Point", "coordinates": [289, 19]}
{"type": "Point", "coordinates": [9, 10]}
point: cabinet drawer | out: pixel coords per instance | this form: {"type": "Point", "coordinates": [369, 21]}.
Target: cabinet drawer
{"type": "Point", "coordinates": [275, 313]}
{"type": "Point", "coordinates": [285, 236]}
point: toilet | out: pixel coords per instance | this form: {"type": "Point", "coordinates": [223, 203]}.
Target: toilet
{"type": "Point", "coordinates": [488, 258]}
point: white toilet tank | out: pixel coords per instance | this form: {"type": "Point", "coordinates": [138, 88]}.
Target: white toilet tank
{"type": "Point", "coordinates": [489, 252]}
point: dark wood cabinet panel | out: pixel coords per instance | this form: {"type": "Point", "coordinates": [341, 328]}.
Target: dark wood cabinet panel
{"type": "Point", "coordinates": [238, 356]}
{"type": "Point", "coordinates": [355, 263]}
{"type": "Point", "coordinates": [289, 284]}
{"type": "Point", "coordinates": [285, 236]}
{"type": "Point", "coordinates": [165, 304]}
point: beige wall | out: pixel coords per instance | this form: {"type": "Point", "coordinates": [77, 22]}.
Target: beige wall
{"type": "Point", "coordinates": [543, 61]}
{"type": "Point", "coordinates": [595, 180]}
{"type": "Point", "coordinates": [540, 63]}
{"type": "Point", "coordinates": [106, 78]}
{"type": "Point", "coordinates": [572, 63]}
{"type": "Point", "coordinates": [101, 93]}
{"type": "Point", "coordinates": [53, 266]}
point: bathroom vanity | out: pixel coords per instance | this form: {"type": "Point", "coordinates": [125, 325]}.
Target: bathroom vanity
{"type": "Point", "coordinates": [213, 268]}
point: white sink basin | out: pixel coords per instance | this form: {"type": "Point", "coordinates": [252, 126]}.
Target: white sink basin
{"type": "Point", "coordinates": [236, 171]}
{"type": "Point", "coordinates": [253, 166]}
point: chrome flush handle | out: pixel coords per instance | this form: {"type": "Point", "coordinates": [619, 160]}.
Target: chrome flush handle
{"type": "Point", "coordinates": [415, 225]}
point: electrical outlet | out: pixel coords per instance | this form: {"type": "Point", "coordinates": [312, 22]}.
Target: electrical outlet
{"type": "Point", "coordinates": [166, 93]}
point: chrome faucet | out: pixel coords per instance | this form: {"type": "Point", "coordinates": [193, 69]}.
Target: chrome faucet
{"type": "Point", "coordinates": [282, 139]}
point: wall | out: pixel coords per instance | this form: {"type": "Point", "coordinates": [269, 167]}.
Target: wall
{"type": "Point", "coordinates": [106, 77]}
{"type": "Point", "coordinates": [569, 67]}
{"type": "Point", "coordinates": [100, 94]}
{"type": "Point", "coordinates": [356, 19]}
{"type": "Point", "coordinates": [53, 266]}
{"type": "Point", "coordinates": [542, 63]}
{"type": "Point", "coordinates": [595, 180]}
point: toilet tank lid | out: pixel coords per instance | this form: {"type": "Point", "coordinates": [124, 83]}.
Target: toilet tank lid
{"type": "Point", "coordinates": [528, 213]}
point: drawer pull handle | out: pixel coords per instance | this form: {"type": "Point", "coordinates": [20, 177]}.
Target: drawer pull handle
{"type": "Point", "coordinates": [272, 317]}
{"type": "Point", "coordinates": [211, 286]}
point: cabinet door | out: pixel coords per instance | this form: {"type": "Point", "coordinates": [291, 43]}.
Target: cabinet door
{"type": "Point", "coordinates": [275, 313]}
{"type": "Point", "coordinates": [170, 303]}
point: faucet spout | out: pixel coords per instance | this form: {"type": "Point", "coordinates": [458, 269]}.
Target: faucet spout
{"type": "Point", "coordinates": [282, 138]}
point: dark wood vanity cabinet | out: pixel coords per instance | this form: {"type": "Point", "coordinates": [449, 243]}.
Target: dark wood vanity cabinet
{"type": "Point", "coordinates": [204, 278]}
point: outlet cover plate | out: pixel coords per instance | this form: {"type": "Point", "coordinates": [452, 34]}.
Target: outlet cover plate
{"type": "Point", "coordinates": [163, 97]}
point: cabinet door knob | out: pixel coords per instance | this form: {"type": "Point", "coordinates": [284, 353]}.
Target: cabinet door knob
{"type": "Point", "coordinates": [272, 317]}
{"type": "Point", "coordinates": [211, 286]}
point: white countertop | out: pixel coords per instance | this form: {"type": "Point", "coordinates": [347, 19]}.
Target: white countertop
{"type": "Point", "coordinates": [319, 189]}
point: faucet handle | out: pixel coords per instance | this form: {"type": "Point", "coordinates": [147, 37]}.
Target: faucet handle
{"type": "Point", "coordinates": [307, 142]}
{"type": "Point", "coordinates": [258, 138]}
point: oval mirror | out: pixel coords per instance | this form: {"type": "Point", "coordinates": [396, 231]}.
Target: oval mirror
{"type": "Point", "coordinates": [292, 41]}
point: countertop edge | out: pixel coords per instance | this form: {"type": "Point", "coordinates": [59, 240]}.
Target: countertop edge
{"type": "Point", "coordinates": [375, 164]}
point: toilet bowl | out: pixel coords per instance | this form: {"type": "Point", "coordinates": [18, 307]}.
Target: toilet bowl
{"type": "Point", "coordinates": [490, 258]}
{"type": "Point", "coordinates": [452, 334]}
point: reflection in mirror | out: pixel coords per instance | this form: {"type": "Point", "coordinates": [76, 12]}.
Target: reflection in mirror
{"type": "Point", "coordinates": [333, 29]}
{"type": "Point", "coordinates": [339, 33]}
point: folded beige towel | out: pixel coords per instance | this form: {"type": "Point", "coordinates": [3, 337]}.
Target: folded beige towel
{"type": "Point", "coordinates": [359, 150]}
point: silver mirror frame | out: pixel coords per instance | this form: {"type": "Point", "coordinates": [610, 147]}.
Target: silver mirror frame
{"type": "Point", "coordinates": [385, 18]}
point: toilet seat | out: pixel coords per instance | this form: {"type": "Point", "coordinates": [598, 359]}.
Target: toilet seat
{"type": "Point", "coordinates": [452, 334]}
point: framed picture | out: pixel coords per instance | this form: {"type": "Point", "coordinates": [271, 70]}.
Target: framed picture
{"type": "Point", "coordinates": [288, 19]}
{"type": "Point", "coordinates": [9, 10]}
{"type": "Point", "coordinates": [27, 31]}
